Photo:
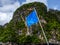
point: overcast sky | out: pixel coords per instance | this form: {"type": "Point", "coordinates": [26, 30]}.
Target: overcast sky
{"type": "Point", "coordinates": [7, 7]}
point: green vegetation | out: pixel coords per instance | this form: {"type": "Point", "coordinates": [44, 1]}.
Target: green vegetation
{"type": "Point", "coordinates": [15, 30]}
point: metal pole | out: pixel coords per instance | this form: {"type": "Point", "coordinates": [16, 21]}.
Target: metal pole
{"type": "Point", "coordinates": [42, 28]}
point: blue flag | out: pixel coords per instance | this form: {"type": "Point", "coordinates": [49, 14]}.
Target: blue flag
{"type": "Point", "coordinates": [32, 18]}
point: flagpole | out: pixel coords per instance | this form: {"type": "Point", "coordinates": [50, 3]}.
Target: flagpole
{"type": "Point", "coordinates": [42, 29]}
{"type": "Point", "coordinates": [26, 26]}
{"type": "Point", "coordinates": [27, 29]}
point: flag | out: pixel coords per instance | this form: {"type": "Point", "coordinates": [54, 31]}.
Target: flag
{"type": "Point", "coordinates": [32, 18]}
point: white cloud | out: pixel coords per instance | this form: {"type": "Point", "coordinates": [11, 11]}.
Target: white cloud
{"type": "Point", "coordinates": [6, 2]}
{"type": "Point", "coordinates": [3, 16]}
{"type": "Point", "coordinates": [10, 8]}
{"type": "Point", "coordinates": [6, 12]}
{"type": "Point", "coordinates": [43, 1]}
{"type": "Point", "coordinates": [55, 7]}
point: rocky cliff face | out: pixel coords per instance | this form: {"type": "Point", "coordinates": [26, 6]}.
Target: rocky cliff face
{"type": "Point", "coordinates": [47, 19]}
{"type": "Point", "coordinates": [23, 11]}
